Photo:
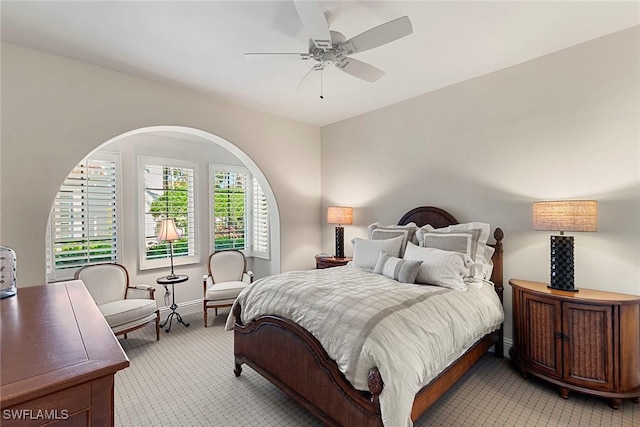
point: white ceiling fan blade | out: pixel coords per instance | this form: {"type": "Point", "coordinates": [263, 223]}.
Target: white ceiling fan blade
{"type": "Point", "coordinates": [277, 56]}
{"type": "Point", "coordinates": [377, 36]}
{"type": "Point", "coordinates": [314, 22]}
{"type": "Point", "coordinates": [360, 69]}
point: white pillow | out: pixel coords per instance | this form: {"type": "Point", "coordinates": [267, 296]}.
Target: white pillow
{"type": "Point", "coordinates": [408, 229]}
{"type": "Point", "coordinates": [480, 252]}
{"type": "Point", "coordinates": [465, 242]}
{"type": "Point", "coordinates": [366, 252]}
{"type": "Point", "coordinates": [440, 268]}
{"type": "Point", "coordinates": [399, 269]}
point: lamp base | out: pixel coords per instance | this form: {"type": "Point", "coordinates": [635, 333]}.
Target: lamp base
{"type": "Point", "coordinates": [562, 270]}
{"type": "Point", "coordinates": [339, 242]}
{"type": "Point", "coordinates": [563, 289]}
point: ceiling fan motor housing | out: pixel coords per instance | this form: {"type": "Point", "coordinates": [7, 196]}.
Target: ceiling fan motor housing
{"type": "Point", "coordinates": [331, 55]}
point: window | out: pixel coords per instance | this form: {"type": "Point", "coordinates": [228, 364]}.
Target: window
{"type": "Point", "coordinates": [83, 226]}
{"type": "Point", "coordinates": [239, 217]}
{"type": "Point", "coordinates": [168, 192]}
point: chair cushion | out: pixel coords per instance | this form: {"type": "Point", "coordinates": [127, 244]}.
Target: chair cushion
{"type": "Point", "coordinates": [126, 311]}
{"type": "Point", "coordinates": [225, 290]}
{"type": "Point", "coordinates": [139, 322]}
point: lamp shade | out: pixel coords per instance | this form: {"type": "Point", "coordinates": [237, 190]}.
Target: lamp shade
{"type": "Point", "coordinates": [340, 215]}
{"type": "Point", "coordinates": [566, 215]}
{"type": "Point", "coordinates": [168, 230]}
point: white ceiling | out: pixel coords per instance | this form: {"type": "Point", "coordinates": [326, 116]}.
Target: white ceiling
{"type": "Point", "coordinates": [200, 44]}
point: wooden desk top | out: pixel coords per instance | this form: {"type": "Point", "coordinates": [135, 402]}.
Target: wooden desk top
{"type": "Point", "coordinates": [53, 337]}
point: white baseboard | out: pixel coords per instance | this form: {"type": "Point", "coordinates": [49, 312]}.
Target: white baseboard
{"type": "Point", "coordinates": [508, 343]}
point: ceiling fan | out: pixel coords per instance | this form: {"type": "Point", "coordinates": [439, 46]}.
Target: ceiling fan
{"type": "Point", "coordinates": [328, 47]}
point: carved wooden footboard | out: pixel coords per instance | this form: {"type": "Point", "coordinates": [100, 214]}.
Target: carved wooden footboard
{"type": "Point", "coordinates": [292, 359]}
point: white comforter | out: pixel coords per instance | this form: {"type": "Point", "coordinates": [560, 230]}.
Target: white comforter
{"type": "Point", "coordinates": [409, 332]}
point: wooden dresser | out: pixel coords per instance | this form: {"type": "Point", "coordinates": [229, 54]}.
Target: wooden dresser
{"type": "Point", "coordinates": [586, 341]}
{"type": "Point", "coordinates": [59, 358]}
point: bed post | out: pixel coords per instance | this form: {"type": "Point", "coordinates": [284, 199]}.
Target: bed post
{"type": "Point", "coordinates": [237, 310]}
{"type": "Point", "coordinates": [498, 281]}
{"type": "Point", "coordinates": [375, 384]}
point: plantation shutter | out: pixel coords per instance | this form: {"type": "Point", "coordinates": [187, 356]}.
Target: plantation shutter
{"type": "Point", "coordinates": [260, 219]}
{"type": "Point", "coordinates": [83, 228]}
{"type": "Point", "coordinates": [168, 193]}
{"type": "Point", "coordinates": [229, 214]}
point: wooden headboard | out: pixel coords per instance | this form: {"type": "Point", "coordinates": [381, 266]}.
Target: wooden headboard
{"type": "Point", "coordinates": [439, 218]}
{"type": "Point", "coordinates": [423, 215]}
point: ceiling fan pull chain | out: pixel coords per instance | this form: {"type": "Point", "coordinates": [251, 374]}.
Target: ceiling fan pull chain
{"type": "Point", "coordinates": [321, 74]}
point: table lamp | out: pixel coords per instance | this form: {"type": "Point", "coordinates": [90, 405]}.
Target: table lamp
{"type": "Point", "coordinates": [169, 233]}
{"type": "Point", "coordinates": [564, 215]}
{"type": "Point", "coordinates": [339, 215]}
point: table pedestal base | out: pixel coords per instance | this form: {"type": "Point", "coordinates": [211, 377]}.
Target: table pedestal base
{"type": "Point", "coordinates": [166, 281]}
{"type": "Point", "coordinates": [170, 318]}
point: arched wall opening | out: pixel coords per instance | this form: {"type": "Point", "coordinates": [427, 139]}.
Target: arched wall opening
{"type": "Point", "coordinates": [177, 142]}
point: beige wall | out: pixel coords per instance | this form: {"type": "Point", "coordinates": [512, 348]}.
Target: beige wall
{"type": "Point", "coordinates": [564, 126]}
{"type": "Point", "coordinates": [56, 111]}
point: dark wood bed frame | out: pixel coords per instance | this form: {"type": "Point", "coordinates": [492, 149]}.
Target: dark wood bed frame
{"type": "Point", "coordinates": [293, 360]}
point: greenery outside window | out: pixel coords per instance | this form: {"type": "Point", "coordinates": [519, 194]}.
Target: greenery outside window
{"type": "Point", "coordinates": [83, 226]}
{"type": "Point", "coordinates": [239, 214]}
{"type": "Point", "coordinates": [168, 191]}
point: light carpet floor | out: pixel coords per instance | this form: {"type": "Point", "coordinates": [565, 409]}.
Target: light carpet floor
{"type": "Point", "coordinates": [186, 379]}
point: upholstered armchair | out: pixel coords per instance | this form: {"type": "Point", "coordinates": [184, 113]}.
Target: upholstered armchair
{"type": "Point", "coordinates": [125, 307]}
{"type": "Point", "coordinates": [227, 277]}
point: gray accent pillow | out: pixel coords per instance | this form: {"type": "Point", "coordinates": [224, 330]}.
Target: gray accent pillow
{"type": "Point", "coordinates": [399, 269]}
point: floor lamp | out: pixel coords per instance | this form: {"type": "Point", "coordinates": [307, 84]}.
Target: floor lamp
{"type": "Point", "coordinates": [564, 215]}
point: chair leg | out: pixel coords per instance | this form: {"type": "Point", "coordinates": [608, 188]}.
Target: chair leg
{"type": "Point", "coordinates": [216, 311]}
{"type": "Point", "coordinates": [125, 336]}
{"type": "Point", "coordinates": [157, 326]}
{"type": "Point", "coordinates": [204, 308]}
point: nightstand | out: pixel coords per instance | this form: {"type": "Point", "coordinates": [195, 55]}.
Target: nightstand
{"type": "Point", "coordinates": [324, 261]}
{"type": "Point", "coordinates": [586, 341]}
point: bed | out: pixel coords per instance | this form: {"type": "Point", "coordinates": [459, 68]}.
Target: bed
{"type": "Point", "coordinates": [291, 357]}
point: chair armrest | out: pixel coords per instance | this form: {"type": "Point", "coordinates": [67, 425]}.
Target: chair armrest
{"type": "Point", "coordinates": [145, 290]}
{"type": "Point", "coordinates": [247, 277]}
{"type": "Point", "coordinates": [204, 283]}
